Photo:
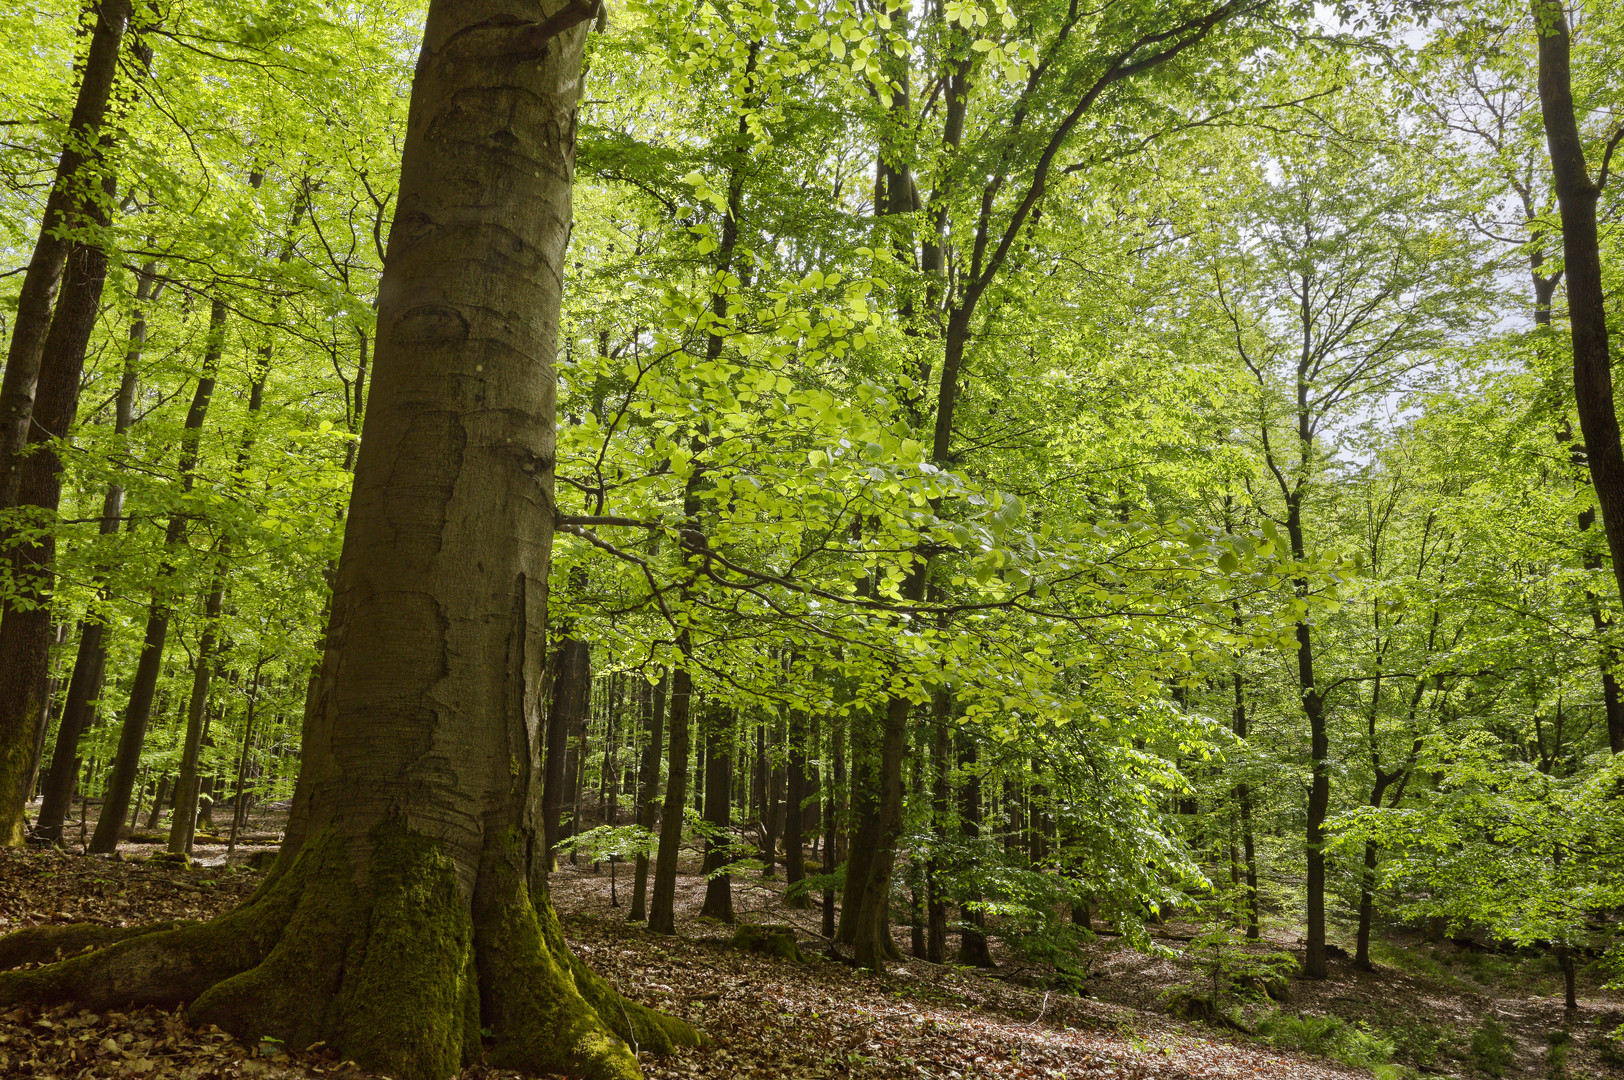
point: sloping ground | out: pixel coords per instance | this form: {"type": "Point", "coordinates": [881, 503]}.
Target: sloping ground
{"type": "Point", "coordinates": [767, 1018]}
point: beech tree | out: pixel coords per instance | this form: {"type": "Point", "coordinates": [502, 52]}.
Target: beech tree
{"type": "Point", "coordinates": [411, 841]}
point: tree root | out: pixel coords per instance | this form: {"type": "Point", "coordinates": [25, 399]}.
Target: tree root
{"type": "Point", "coordinates": [393, 970]}
{"type": "Point", "coordinates": [37, 944]}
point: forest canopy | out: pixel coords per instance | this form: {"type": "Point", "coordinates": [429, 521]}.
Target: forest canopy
{"type": "Point", "coordinates": [1008, 465]}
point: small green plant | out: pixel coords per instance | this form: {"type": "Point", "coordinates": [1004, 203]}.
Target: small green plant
{"type": "Point", "coordinates": [1357, 1045]}
{"type": "Point", "coordinates": [1225, 966]}
{"type": "Point", "coordinates": [1556, 1058]}
{"type": "Point", "coordinates": [1421, 1043]}
{"type": "Point", "coordinates": [1491, 1050]}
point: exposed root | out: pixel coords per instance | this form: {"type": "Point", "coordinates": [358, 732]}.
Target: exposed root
{"type": "Point", "coordinates": [163, 968]}
{"type": "Point", "coordinates": [37, 944]}
{"type": "Point", "coordinates": [644, 1028]}
{"type": "Point", "coordinates": [391, 969]}
{"type": "Point", "coordinates": [547, 1010]}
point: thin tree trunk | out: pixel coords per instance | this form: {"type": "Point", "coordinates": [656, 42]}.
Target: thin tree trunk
{"type": "Point", "coordinates": [138, 712]}
{"type": "Point", "coordinates": [649, 792]}
{"type": "Point", "coordinates": [972, 935]}
{"type": "Point", "coordinates": [572, 696]}
{"type": "Point", "coordinates": [662, 917]}
{"type": "Point", "coordinates": [184, 822]}
{"type": "Point", "coordinates": [1243, 798]}
{"type": "Point", "coordinates": [831, 822]}
{"type": "Point", "coordinates": [941, 796]}
{"type": "Point", "coordinates": [239, 800]}
{"type": "Point", "coordinates": [718, 730]}
{"type": "Point", "coordinates": [794, 864]}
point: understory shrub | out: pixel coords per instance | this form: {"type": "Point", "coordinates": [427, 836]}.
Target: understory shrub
{"type": "Point", "coordinates": [1355, 1044]}
{"type": "Point", "coordinates": [1491, 1050]}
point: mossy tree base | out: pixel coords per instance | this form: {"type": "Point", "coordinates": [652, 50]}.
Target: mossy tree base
{"type": "Point", "coordinates": [393, 968]}
{"type": "Point", "coordinates": [776, 941]}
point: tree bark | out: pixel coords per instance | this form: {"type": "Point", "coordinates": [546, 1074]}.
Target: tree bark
{"type": "Point", "coordinates": [795, 795]}
{"type": "Point", "coordinates": [397, 925]}
{"type": "Point", "coordinates": [1243, 800]}
{"type": "Point", "coordinates": [138, 712]}
{"type": "Point", "coordinates": [941, 797]}
{"type": "Point", "coordinates": [662, 917]}
{"type": "Point", "coordinates": [73, 198]}
{"type": "Point", "coordinates": [25, 630]}
{"type": "Point", "coordinates": [831, 821]}
{"type": "Point", "coordinates": [1576, 195]}
{"type": "Point", "coordinates": [648, 789]}
{"type": "Point", "coordinates": [972, 935]}
{"type": "Point", "coordinates": [718, 812]}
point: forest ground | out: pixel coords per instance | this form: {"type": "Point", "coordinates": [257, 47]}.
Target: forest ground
{"type": "Point", "coordinates": [771, 1019]}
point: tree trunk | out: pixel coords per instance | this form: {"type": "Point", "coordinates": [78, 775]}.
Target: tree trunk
{"type": "Point", "coordinates": [1576, 196]}
{"type": "Point", "coordinates": [862, 828]}
{"type": "Point", "coordinates": [1319, 792]}
{"type": "Point", "coordinates": [160, 800]}
{"type": "Point", "coordinates": [571, 672]}
{"type": "Point", "coordinates": [972, 937]}
{"type": "Point", "coordinates": [397, 926]}
{"type": "Point", "coordinates": [941, 795]}
{"type": "Point", "coordinates": [25, 630]}
{"type": "Point", "coordinates": [90, 665]}
{"type": "Point", "coordinates": [662, 917]}
{"type": "Point", "coordinates": [648, 789]}
{"type": "Point", "coordinates": [718, 812]}
{"type": "Point", "coordinates": [771, 798]}
{"type": "Point", "coordinates": [1243, 799]}
{"type": "Point", "coordinates": [184, 821]}
{"type": "Point", "coordinates": [795, 795]}
{"type": "Point", "coordinates": [73, 198]}
{"type": "Point", "coordinates": [831, 819]}
{"type": "Point", "coordinates": [239, 796]}
{"type": "Point", "coordinates": [138, 712]}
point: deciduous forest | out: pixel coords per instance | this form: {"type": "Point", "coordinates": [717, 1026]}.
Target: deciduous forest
{"type": "Point", "coordinates": [811, 538]}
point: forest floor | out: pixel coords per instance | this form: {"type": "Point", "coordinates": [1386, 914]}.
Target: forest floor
{"type": "Point", "coordinates": [1422, 1013]}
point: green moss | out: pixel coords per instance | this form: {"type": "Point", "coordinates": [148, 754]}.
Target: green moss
{"type": "Point", "coordinates": [403, 1008]}
{"type": "Point", "coordinates": [166, 968]}
{"type": "Point", "coordinates": [36, 944]}
{"type": "Point", "coordinates": [776, 941]}
{"type": "Point", "coordinates": [539, 1019]}
{"type": "Point", "coordinates": [288, 994]}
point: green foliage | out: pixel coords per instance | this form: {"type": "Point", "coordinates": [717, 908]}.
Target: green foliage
{"type": "Point", "coordinates": [1226, 965]}
{"type": "Point", "coordinates": [1354, 1044]}
{"type": "Point", "coordinates": [1492, 1051]}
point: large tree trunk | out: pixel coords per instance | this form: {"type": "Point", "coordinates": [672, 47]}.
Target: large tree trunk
{"type": "Point", "coordinates": [1577, 195]}
{"type": "Point", "coordinates": [73, 198]}
{"type": "Point", "coordinates": [25, 629]}
{"type": "Point", "coordinates": [398, 926]}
